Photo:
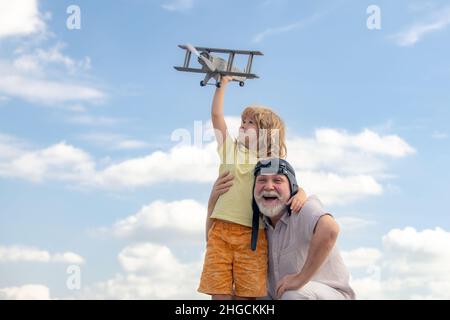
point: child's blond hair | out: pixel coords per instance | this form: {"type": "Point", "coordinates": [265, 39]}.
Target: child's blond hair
{"type": "Point", "coordinates": [272, 142]}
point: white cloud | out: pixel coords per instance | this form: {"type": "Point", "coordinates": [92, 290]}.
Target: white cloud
{"type": "Point", "coordinates": [338, 166]}
{"type": "Point", "coordinates": [114, 141]}
{"type": "Point", "coordinates": [439, 135]}
{"type": "Point", "coordinates": [67, 163]}
{"type": "Point", "coordinates": [274, 31]}
{"type": "Point", "coordinates": [350, 224]}
{"type": "Point", "coordinates": [411, 265]}
{"type": "Point", "coordinates": [27, 64]}
{"type": "Point", "coordinates": [334, 149]}
{"type": "Point", "coordinates": [95, 121]}
{"type": "Point", "coordinates": [368, 288]}
{"type": "Point", "coordinates": [366, 141]}
{"type": "Point", "coordinates": [46, 91]}
{"type": "Point", "coordinates": [10, 147]}
{"type": "Point", "coordinates": [181, 164]}
{"type": "Point", "coordinates": [416, 32]}
{"type": "Point", "coordinates": [337, 189]}
{"type": "Point", "coordinates": [148, 258]}
{"type": "Point", "coordinates": [55, 55]}
{"type": "Point", "coordinates": [421, 6]}
{"type": "Point", "coordinates": [26, 292]}
{"type": "Point", "coordinates": [18, 253]}
{"type": "Point", "coordinates": [150, 271]}
{"type": "Point", "coordinates": [68, 257]}
{"type": "Point", "coordinates": [178, 5]}
{"type": "Point", "coordinates": [60, 162]}
{"type": "Point", "coordinates": [130, 144]}
{"type": "Point", "coordinates": [76, 108]}
{"type": "Point", "coordinates": [43, 75]}
{"type": "Point", "coordinates": [36, 61]}
{"type": "Point", "coordinates": [361, 257]}
{"type": "Point", "coordinates": [427, 249]}
{"type": "Point", "coordinates": [341, 167]}
{"type": "Point", "coordinates": [287, 28]}
{"type": "Point", "coordinates": [163, 222]}
{"type": "Point", "coordinates": [20, 18]}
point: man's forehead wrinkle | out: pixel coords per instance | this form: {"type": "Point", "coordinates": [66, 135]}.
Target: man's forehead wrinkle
{"type": "Point", "coordinates": [271, 175]}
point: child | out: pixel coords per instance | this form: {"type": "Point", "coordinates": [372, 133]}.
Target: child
{"type": "Point", "coordinates": [231, 268]}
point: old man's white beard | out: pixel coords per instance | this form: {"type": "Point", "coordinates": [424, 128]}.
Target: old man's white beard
{"type": "Point", "coordinates": [270, 211]}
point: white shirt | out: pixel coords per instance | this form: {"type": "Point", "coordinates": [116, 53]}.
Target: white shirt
{"type": "Point", "coordinates": [289, 244]}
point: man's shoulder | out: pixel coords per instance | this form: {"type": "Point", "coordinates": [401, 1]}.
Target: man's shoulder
{"type": "Point", "coordinates": [312, 208]}
{"type": "Point", "coordinates": [313, 203]}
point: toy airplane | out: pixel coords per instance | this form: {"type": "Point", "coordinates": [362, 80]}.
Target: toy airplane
{"type": "Point", "coordinates": [216, 67]}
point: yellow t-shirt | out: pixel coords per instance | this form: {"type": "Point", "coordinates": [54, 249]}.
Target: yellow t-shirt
{"type": "Point", "coordinates": [236, 204]}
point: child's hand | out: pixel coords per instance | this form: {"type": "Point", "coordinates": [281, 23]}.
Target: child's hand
{"type": "Point", "coordinates": [297, 201]}
{"type": "Point", "coordinates": [225, 79]}
{"type": "Point", "coordinates": [222, 184]}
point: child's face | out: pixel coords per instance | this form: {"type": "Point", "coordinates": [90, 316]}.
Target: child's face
{"type": "Point", "coordinates": [248, 134]}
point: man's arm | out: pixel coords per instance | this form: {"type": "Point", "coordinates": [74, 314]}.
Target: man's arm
{"type": "Point", "coordinates": [322, 242]}
{"type": "Point", "coordinates": [211, 204]}
{"type": "Point", "coordinates": [217, 115]}
{"type": "Point", "coordinates": [222, 185]}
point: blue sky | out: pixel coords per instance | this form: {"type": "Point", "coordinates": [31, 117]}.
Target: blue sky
{"type": "Point", "coordinates": [90, 176]}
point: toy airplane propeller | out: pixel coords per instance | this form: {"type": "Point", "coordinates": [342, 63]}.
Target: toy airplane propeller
{"type": "Point", "coordinates": [216, 67]}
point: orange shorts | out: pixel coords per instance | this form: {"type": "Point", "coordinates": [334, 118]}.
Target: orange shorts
{"type": "Point", "coordinates": [231, 267]}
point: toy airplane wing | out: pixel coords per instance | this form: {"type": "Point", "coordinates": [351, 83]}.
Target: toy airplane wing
{"type": "Point", "coordinates": [248, 52]}
{"type": "Point", "coordinates": [239, 74]}
{"type": "Point", "coordinates": [224, 73]}
{"type": "Point", "coordinates": [215, 66]}
{"type": "Point", "coordinates": [191, 70]}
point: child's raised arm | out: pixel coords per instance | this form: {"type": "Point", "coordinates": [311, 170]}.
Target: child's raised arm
{"type": "Point", "coordinates": [217, 115]}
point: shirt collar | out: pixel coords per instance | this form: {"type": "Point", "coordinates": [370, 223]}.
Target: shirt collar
{"type": "Point", "coordinates": [284, 218]}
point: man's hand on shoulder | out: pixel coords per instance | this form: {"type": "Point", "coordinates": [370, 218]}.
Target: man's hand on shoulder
{"type": "Point", "coordinates": [297, 201]}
